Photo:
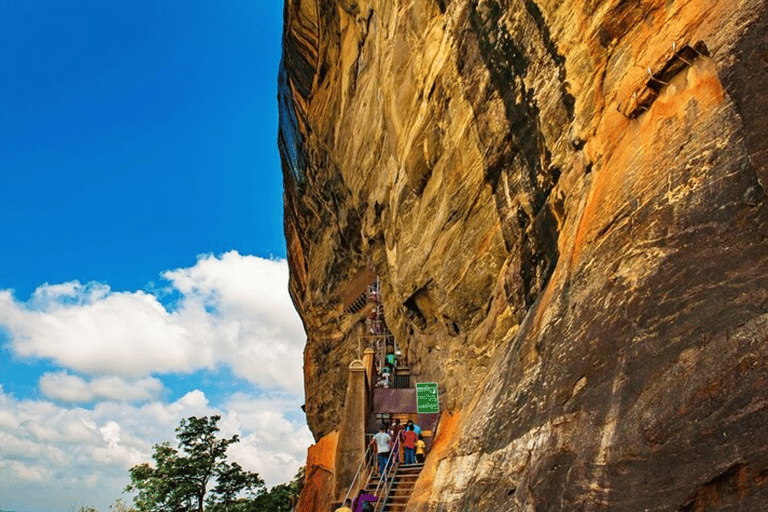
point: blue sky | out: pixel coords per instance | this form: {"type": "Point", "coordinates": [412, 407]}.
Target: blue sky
{"type": "Point", "coordinates": [142, 270]}
{"type": "Point", "coordinates": [136, 131]}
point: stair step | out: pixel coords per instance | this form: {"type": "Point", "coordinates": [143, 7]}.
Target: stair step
{"type": "Point", "coordinates": [402, 485]}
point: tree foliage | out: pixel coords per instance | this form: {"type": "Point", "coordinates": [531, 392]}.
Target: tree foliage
{"type": "Point", "coordinates": [280, 498]}
{"type": "Point", "coordinates": [194, 477]}
{"type": "Point", "coordinates": [119, 506]}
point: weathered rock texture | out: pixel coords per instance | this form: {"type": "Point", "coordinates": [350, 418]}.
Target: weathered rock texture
{"type": "Point", "coordinates": [565, 204]}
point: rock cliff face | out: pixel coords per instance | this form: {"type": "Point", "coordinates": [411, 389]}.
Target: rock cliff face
{"type": "Point", "coordinates": [564, 202]}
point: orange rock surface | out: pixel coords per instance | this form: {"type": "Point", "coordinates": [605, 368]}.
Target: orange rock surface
{"type": "Point", "coordinates": [448, 435]}
{"type": "Point", "coordinates": [318, 486]}
{"type": "Point", "coordinates": [565, 204]}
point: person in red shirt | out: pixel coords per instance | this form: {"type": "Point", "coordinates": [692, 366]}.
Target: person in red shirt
{"type": "Point", "coordinates": [409, 445]}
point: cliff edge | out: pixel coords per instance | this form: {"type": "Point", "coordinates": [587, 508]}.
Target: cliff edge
{"type": "Point", "coordinates": [564, 203]}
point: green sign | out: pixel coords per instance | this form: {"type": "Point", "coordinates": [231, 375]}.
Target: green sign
{"type": "Point", "coordinates": [426, 398]}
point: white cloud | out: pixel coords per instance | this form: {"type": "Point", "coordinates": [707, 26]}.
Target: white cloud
{"type": "Point", "coordinates": [111, 349]}
{"type": "Point", "coordinates": [7, 420]}
{"type": "Point", "coordinates": [94, 330]}
{"type": "Point", "coordinates": [24, 472]}
{"type": "Point", "coordinates": [87, 453]}
{"type": "Point", "coordinates": [233, 310]}
{"type": "Point", "coordinates": [70, 388]}
{"type": "Point", "coordinates": [248, 313]}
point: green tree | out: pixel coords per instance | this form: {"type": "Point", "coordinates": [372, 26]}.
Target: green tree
{"type": "Point", "coordinates": [180, 479]}
{"type": "Point", "coordinates": [119, 506]}
{"type": "Point", "coordinates": [231, 483]}
{"type": "Point", "coordinates": [282, 497]}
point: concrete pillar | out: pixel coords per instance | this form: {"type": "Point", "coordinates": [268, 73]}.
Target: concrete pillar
{"type": "Point", "coordinates": [351, 446]}
{"type": "Point", "coordinates": [369, 371]}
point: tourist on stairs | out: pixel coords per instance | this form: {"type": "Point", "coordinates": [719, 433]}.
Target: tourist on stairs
{"type": "Point", "coordinates": [421, 450]}
{"type": "Point", "coordinates": [386, 376]}
{"type": "Point", "coordinates": [347, 506]}
{"type": "Point", "coordinates": [409, 445]}
{"type": "Point", "coordinates": [416, 428]}
{"type": "Point", "coordinates": [382, 441]}
{"type": "Point", "coordinates": [391, 357]}
{"type": "Point", "coordinates": [363, 502]}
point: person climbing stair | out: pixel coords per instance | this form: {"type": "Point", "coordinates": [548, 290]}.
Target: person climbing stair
{"type": "Point", "coordinates": [409, 445]}
{"type": "Point", "coordinates": [347, 507]}
{"type": "Point", "coordinates": [382, 441]}
{"type": "Point", "coordinates": [421, 450]}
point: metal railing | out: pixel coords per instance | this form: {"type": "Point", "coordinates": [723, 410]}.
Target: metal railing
{"type": "Point", "coordinates": [381, 505]}
{"type": "Point", "coordinates": [387, 479]}
{"type": "Point", "coordinates": [358, 304]}
{"type": "Point", "coordinates": [363, 472]}
{"type": "Point", "coordinates": [402, 381]}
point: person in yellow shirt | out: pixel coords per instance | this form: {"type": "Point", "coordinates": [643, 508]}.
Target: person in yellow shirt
{"type": "Point", "coordinates": [421, 450]}
{"type": "Point", "coordinates": [347, 506]}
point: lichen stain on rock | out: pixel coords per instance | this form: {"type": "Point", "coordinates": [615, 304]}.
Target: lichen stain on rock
{"type": "Point", "coordinates": [565, 204]}
{"type": "Point", "coordinates": [633, 165]}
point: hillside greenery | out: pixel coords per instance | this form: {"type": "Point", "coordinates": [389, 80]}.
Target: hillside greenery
{"type": "Point", "coordinates": [197, 477]}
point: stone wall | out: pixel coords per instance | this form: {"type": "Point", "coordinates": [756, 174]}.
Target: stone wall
{"type": "Point", "coordinates": [565, 204]}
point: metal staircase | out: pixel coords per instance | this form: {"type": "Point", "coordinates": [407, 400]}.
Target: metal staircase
{"type": "Point", "coordinates": [394, 491]}
{"type": "Point", "coordinates": [400, 489]}
{"type": "Point", "coordinates": [391, 396]}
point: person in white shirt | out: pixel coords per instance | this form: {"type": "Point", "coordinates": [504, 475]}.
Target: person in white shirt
{"type": "Point", "coordinates": [383, 442]}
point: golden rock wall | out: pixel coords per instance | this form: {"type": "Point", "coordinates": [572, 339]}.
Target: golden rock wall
{"type": "Point", "coordinates": [565, 204]}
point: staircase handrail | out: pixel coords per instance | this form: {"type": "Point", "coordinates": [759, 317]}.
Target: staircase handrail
{"type": "Point", "coordinates": [388, 482]}
{"type": "Point", "coordinates": [358, 474]}
{"type": "Point", "coordinates": [388, 489]}
{"type": "Point", "coordinates": [390, 468]}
